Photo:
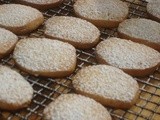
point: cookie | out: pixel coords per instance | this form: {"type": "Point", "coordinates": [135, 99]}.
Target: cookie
{"type": "Point", "coordinates": [20, 19]}
{"type": "Point", "coordinates": [45, 57]}
{"type": "Point", "coordinates": [8, 41]}
{"type": "Point", "coordinates": [134, 58]}
{"type": "Point", "coordinates": [75, 107]}
{"type": "Point", "coordinates": [75, 31]}
{"type": "Point", "coordinates": [153, 10]}
{"type": "Point", "coordinates": [40, 4]}
{"type": "Point", "coordinates": [15, 91]}
{"type": "Point", "coordinates": [142, 31]}
{"type": "Point", "coordinates": [108, 85]}
{"type": "Point", "coordinates": [102, 13]}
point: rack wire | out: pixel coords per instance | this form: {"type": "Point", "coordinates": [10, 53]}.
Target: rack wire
{"type": "Point", "coordinates": [48, 89]}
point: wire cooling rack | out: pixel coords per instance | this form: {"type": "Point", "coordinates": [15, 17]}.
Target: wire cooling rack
{"type": "Point", "coordinates": [47, 89]}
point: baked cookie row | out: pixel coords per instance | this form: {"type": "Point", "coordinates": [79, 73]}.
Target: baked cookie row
{"type": "Point", "coordinates": [53, 58]}
{"type": "Point", "coordinates": [105, 13]}
{"type": "Point", "coordinates": [22, 19]}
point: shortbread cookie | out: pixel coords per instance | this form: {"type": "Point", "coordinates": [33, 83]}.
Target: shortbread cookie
{"type": "Point", "coordinates": [19, 19]}
{"type": "Point", "coordinates": [45, 57]}
{"type": "Point", "coordinates": [77, 32]}
{"type": "Point", "coordinates": [15, 91]}
{"type": "Point", "coordinates": [134, 58]}
{"type": "Point", "coordinates": [153, 9]}
{"type": "Point", "coordinates": [142, 31]}
{"type": "Point", "coordinates": [8, 41]}
{"type": "Point", "coordinates": [75, 107]}
{"type": "Point", "coordinates": [41, 4]}
{"type": "Point", "coordinates": [102, 13]}
{"type": "Point", "coordinates": [108, 85]}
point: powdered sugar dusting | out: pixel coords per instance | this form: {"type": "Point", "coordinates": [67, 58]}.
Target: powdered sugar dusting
{"type": "Point", "coordinates": [41, 54]}
{"type": "Point", "coordinates": [127, 54]}
{"type": "Point", "coordinates": [14, 89]}
{"type": "Point", "coordinates": [42, 1]}
{"type": "Point", "coordinates": [101, 9]}
{"type": "Point", "coordinates": [75, 107]}
{"type": "Point", "coordinates": [141, 28]}
{"type": "Point", "coordinates": [154, 9]}
{"type": "Point", "coordinates": [71, 29]}
{"type": "Point", "coordinates": [106, 81]}
{"type": "Point", "coordinates": [15, 15]}
{"type": "Point", "coordinates": [7, 40]}
{"type": "Point", "coordinates": [152, 0]}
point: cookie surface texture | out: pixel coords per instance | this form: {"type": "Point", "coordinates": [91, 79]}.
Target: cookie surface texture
{"type": "Point", "coordinates": [20, 19]}
{"type": "Point", "coordinates": [45, 57]}
{"type": "Point", "coordinates": [108, 85]}
{"type": "Point", "coordinates": [75, 31]}
{"type": "Point", "coordinates": [153, 10]}
{"type": "Point", "coordinates": [41, 4]}
{"type": "Point", "coordinates": [102, 13]}
{"type": "Point", "coordinates": [8, 41]}
{"type": "Point", "coordinates": [134, 58]}
{"type": "Point", "coordinates": [15, 91]}
{"type": "Point", "coordinates": [141, 30]}
{"type": "Point", "coordinates": [75, 107]}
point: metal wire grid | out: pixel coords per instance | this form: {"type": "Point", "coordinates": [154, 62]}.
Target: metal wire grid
{"type": "Point", "coordinates": [47, 89]}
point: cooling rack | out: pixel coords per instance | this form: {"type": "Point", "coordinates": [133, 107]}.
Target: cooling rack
{"type": "Point", "coordinates": [48, 89]}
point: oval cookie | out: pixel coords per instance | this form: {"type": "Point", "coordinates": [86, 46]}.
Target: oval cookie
{"type": "Point", "coordinates": [108, 85]}
{"type": "Point", "coordinates": [102, 13]}
{"type": "Point", "coordinates": [77, 32]}
{"type": "Point", "coordinates": [15, 91]}
{"type": "Point", "coordinates": [45, 57]}
{"type": "Point", "coordinates": [75, 107]}
{"type": "Point", "coordinates": [142, 31]}
{"type": "Point", "coordinates": [134, 58]}
{"type": "Point", "coordinates": [41, 4]}
{"type": "Point", "coordinates": [8, 41]}
{"type": "Point", "coordinates": [20, 19]}
{"type": "Point", "coordinates": [153, 9]}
